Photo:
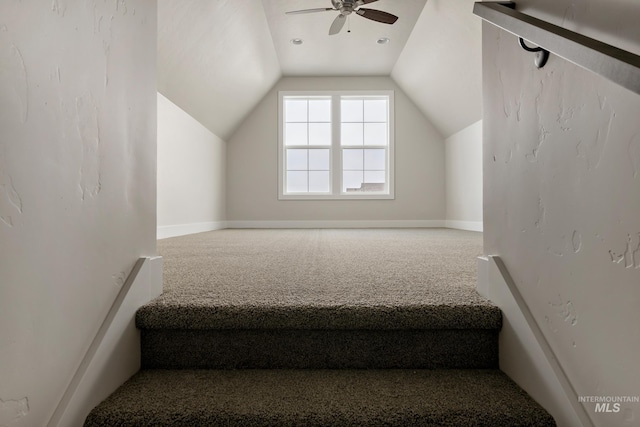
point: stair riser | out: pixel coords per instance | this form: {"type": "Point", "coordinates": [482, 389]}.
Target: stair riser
{"type": "Point", "coordinates": [319, 349]}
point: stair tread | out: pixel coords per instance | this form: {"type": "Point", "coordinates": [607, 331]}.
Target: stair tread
{"type": "Point", "coordinates": [168, 314]}
{"type": "Point", "coordinates": [470, 397]}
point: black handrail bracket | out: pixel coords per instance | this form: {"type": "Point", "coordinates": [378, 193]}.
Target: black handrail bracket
{"type": "Point", "coordinates": [608, 61]}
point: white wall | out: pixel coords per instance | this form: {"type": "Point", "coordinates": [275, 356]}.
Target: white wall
{"type": "Point", "coordinates": [252, 176]}
{"type": "Point", "coordinates": [191, 174]}
{"type": "Point", "coordinates": [562, 197]}
{"type": "Point", "coordinates": [77, 184]}
{"type": "Point", "coordinates": [464, 178]}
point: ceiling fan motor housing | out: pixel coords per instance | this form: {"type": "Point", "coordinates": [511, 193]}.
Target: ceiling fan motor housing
{"type": "Point", "coordinates": [344, 6]}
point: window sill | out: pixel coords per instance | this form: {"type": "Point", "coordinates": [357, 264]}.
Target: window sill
{"type": "Point", "coordinates": [336, 197]}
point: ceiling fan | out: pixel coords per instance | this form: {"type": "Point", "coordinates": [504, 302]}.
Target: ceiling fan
{"type": "Point", "coordinates": [346, 8]}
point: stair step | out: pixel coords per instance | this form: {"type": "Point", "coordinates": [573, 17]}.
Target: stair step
{"type": "Point", "coordinates": [319, 398]}
{"type": "Point", "coordinates": [312, 337]}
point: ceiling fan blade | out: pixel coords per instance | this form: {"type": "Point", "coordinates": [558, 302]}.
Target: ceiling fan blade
{"type": "Point", "coordinates": [361, 2]}
{"type": "Point", "coordinates": [337, 25]}
{"type": "Point", "coordinates": [320, 9]}
{"type": "Point", "coordinates": [377, 15]}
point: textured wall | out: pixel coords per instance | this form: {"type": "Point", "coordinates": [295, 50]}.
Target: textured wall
{"type": "Point", "coordinates": [562, 201]}
{"type": "Point", "coordinates": [191, 170]}
{"type": "Point", "coordinates": [252, 164]}
{"type": "Point", "coordinates": [77, 184]}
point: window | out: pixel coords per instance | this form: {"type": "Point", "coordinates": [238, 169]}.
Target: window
{"type": "Point", "coordinates": [335, 145]}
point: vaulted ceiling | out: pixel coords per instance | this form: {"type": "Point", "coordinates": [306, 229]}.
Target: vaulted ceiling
{"type": "Point", "coordinates": [218, 58]}
{"type": "Point", "coordinates": [352, 52]}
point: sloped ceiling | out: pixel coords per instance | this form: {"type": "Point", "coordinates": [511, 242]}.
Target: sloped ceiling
{"type": "Point", "coordinates": [441, 65]}
{"type": "Point", "coordinates": [218, 58]}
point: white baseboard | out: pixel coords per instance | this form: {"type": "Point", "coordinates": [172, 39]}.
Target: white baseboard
{"type": "Point", "coordinates": [465, 225]}
{"type": "Point", "coordinates": [114, 354]}
{"type": "Point", "coordinates": [525, 354]}
{"type": "Point", "coordinates": [167, 231]}
{"type": "Point", "coordinates": [337, 224]}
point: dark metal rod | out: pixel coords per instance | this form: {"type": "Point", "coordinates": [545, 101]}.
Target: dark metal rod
{"type": "Point", "coordinates": [608, 61]}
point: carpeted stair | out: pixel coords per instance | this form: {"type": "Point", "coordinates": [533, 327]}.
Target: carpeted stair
{"type": "Point", "coordinates": [320, 328]}
{"type": "Point", "coordinates": [309, 366]}
{"type": "Point", "coordinates": [346, 397]}
{"type": "Point", "coordinates": [303, 337]}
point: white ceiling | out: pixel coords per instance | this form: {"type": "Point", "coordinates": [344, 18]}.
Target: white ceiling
{"type": "Point", "coordinates": [354, 53]}
{"type": "Point", "coordinates": [441, 65]}
{"type": "Point", "coordinates": [218, 58]}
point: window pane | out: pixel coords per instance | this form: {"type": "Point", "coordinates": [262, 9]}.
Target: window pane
{"type": "Point", "coordinates": [319, 160]}
{"type": "Point", "coordinates": [374, 159]}
{"type": "Point", "coordinates": [319, 110]}
{"type": "Point", "coordinates": [295, 134]}
{"type": "Point", "coordinates": [319, 133]}
{"type": "Point", "coordinates": [297, 159]}
{"type": "Point", "coordinates": [319, 181]}
{"type": "Point", "coordinates": [352, 159]}
{"type": "Point", "coordinates": [375, 134]}
{"type": "Point", "coordinates": [351, 134]}
{"type": "Point", "coordinates": [297, 182]}
{"type": "Point", "coordinates": [351, 110]}
{"type": "Point", "coordinates": [375, 110]}
{"type": "Point", "coordinates": [295, 110]}
{"type": "Point", "coordinates": [309, 166]}
{"type": "Point", "coordinates": [374, 177]}
{"type": "Point", "coordinates": [352, 181]}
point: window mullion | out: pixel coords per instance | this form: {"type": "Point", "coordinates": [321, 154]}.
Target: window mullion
{"type": "Point", "coordinates": [336, 153]}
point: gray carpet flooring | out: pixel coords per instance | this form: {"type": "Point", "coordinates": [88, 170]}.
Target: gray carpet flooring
{"type": "Point", "coordinates": [279, 275]}
{"type": "Point", "coordinates": [358, 266]}
{"type": "Point", "coordinates": [319, 398]}
{"type": "Point", "coordinates": [320, 328]}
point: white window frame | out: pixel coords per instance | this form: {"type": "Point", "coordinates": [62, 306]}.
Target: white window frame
{"type": "Point", "coordinates": [335, 165]}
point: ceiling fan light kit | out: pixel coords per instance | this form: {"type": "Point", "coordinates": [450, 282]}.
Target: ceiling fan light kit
{"type": "Point", "coordinates": [346, 8]}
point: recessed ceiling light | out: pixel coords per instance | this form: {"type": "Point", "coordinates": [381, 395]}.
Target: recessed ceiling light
{"type": "Point", "coordinates": [383, 40]}
{"type": "Point", "coordinates": [297, 42]}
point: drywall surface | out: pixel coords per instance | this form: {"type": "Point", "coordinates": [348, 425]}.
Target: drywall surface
{"type": "Point", "coordinates": [252, 164]}
{"type": "Point", "coordinates": [77, 184]}
{"type": "Point", "coordinates": [562, 203]}
{"type": "Point", "coordinates": [114, 354]}
{"type": "Point", "coordinates": [464, 178]}
{"type": "Point", "coordinates": [524, 354]}
{"type": "Point", "coordinates": [191, 174]}
{"type": "Point", "coordinates": [216, 59]}
{"type": "Point", "coordinates": [440, 66]}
